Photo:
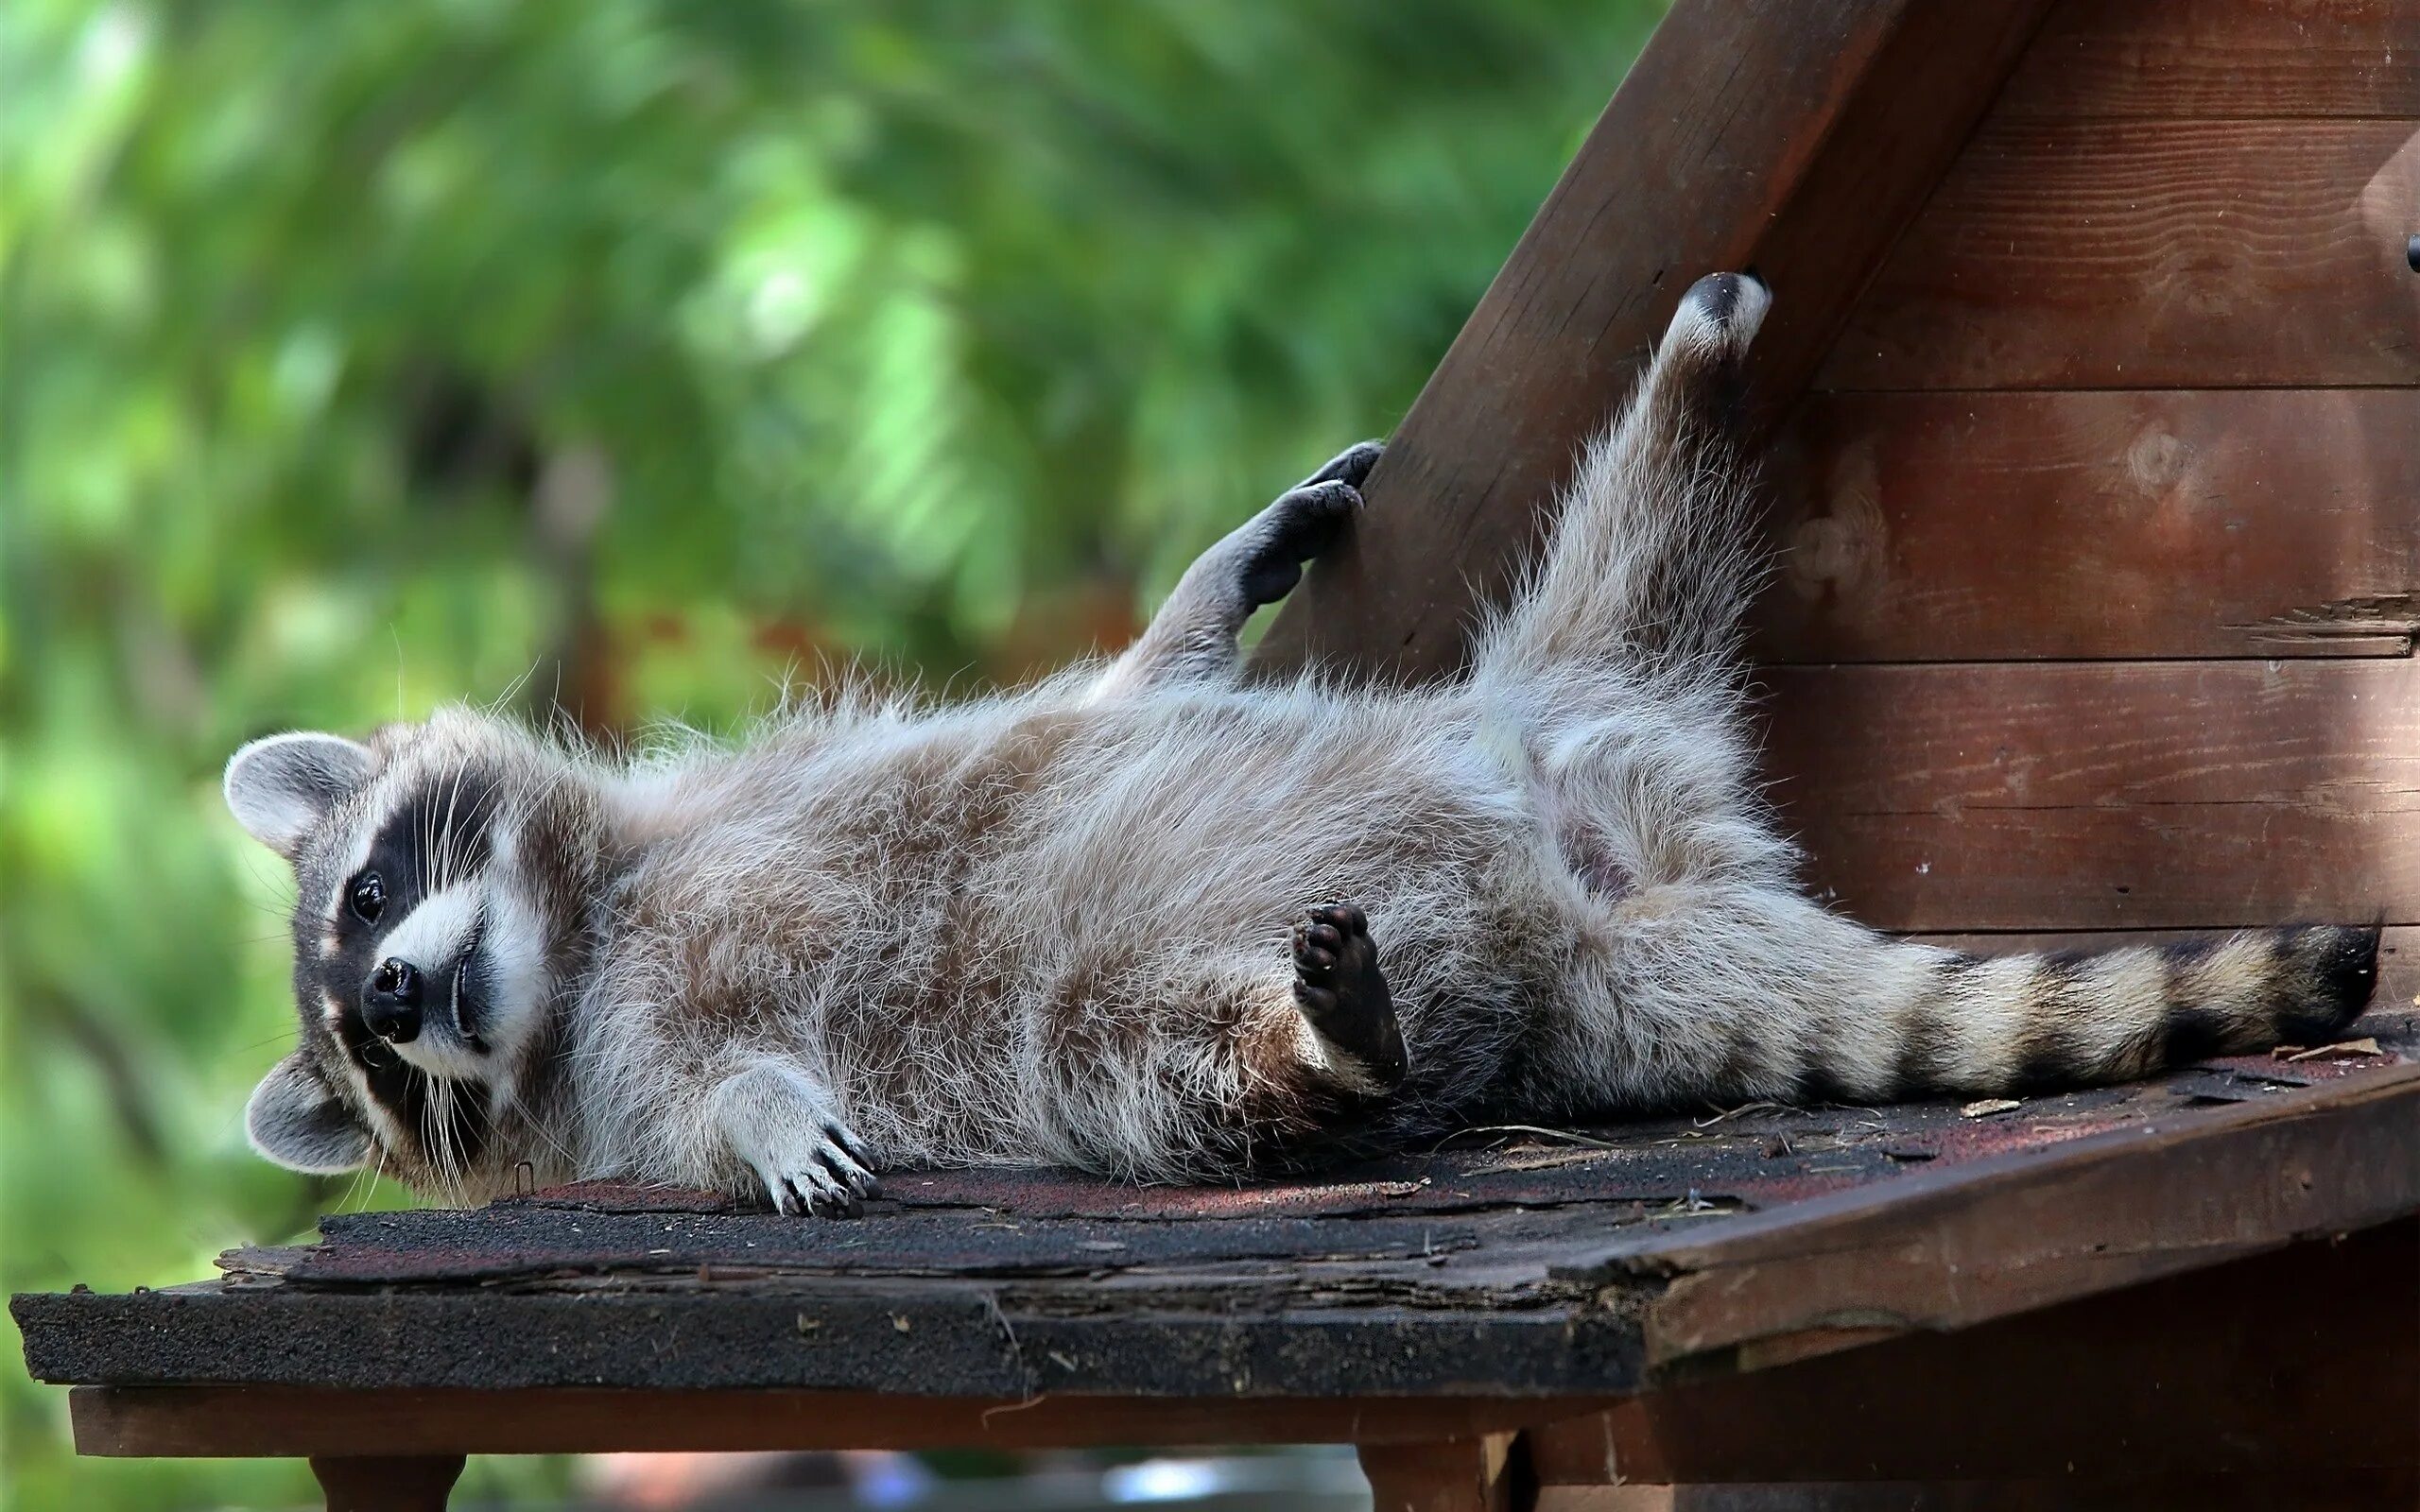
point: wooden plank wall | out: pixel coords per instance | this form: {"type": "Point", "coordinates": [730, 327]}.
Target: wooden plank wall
{"type": "Point", "coordinates": [2101, 528]}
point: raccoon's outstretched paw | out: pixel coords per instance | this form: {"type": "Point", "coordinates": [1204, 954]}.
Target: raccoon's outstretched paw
{"type": "Point", "coordinates": [1720, 313]}
{"type": "Point", "coordinates": [1302, 525]}
{"type": "Point", "coordinates": [1343, 996]}
{"type": "Point", "coordinates": [785, 1128]}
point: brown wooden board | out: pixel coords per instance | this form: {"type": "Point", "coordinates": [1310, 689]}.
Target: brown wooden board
{"type": "Point", "coordinates": [1998, 1239]}
{"type": "Point", "coordinates": [1988, 526]}
{"type": "Point", "coordinates": [2114, 254]}
{"type": "Point", "coordinates": [1794, 135]}
{"type": "Point", "coordinates": [2221, 59]}
{"type": "Point", "coordinates": [2319, 1490]}
{"type": "Point", "coordinates": [2307, 1357]}
{"type": "Point", "coordinates": [179, 1420]}
{"type": "Point", "coordinates": [1522, 1266]}
{"type": "Point", "coordinates": [2100, 795]}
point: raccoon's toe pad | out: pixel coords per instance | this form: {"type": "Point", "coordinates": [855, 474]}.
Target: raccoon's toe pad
{"type": "Point", "coordinates": [826, 1173]}
{"type": "Point", "coordinates": [1343, 995]}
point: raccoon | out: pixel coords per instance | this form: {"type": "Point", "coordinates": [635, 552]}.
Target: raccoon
{"type": "Point", "coordinates": [1150, 920]}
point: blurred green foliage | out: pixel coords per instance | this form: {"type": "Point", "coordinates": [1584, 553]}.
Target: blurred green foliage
{"type": "Point", "coordinates": [627, 356]}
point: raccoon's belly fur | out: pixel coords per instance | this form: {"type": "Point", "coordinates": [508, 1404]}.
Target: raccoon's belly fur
{"type": "Point", "coordinates": [1030, 931]}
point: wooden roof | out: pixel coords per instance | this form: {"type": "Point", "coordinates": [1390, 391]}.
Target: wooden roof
{"type": "Point", "coordinates": [1516, 1265]}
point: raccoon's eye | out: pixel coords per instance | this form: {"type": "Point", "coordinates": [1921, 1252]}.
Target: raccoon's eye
{"type": "Point", "coordinates": [368, 897]}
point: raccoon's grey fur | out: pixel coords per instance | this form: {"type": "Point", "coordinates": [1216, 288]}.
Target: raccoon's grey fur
{"type": "Point", "coordinates": [1154, 920]}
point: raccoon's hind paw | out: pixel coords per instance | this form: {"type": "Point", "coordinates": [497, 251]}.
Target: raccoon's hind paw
{"type": "Point", "coordinates": [1349, 466]}
{"type": "Point", "coordinates": [785, 1130]}
{"type": "Point", "coordinates": [1302, 525]}
{"type": "Point", "coordinates": [1720, 313]}
{"type": "Point", "coordinates": [1343, 996]}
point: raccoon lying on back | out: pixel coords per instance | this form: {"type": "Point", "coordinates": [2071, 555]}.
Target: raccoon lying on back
{"type": "Point", "coordinates": [1149, 920]}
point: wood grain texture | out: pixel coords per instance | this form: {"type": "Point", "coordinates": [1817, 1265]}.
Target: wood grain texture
{"type": "Point", "coordinates": [2204, 1371]}
{"type": "Point", "coordinates": [2109, 254]}
{"type": "Point", "coordinates": [2221, 59]}
{"type": "Point", "coordinates": [1795, 135]}
{"type": "Point", "coordinates": [1986, 526]}
{"type": "Point", "coordinates": [2084, 796]}
{"type": "Point", "coordinates": [2033, 1228]}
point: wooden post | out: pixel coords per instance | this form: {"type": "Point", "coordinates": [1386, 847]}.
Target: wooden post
{"type": "Point", "coordinates": [1444, 1475]}
{"type": "Point", "coordinates": [381, 1484]}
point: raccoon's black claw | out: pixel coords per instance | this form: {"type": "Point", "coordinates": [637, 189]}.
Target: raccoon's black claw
{"type": "Point", "coordinates": [846, 1160]}
{"type": "Point", "coordinates": [1343, 994]}
{"type": "Point", "coordinates": [828, 1174]}
{"type": "Point", "coordinates": [1349, 466]}
{"type": "Point", "coordinates": [804, 1195]}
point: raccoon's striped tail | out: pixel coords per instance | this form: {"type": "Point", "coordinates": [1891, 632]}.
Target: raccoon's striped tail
{"type": "Point", "coordinates": [2027, 1023]}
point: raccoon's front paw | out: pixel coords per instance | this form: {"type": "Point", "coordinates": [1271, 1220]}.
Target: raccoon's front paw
{"type": "Point", "coordinates": [1343, 995]}
{"type": "Point", "coordinates": [828, 1173]}
{"type": "Point", "coordinates": [785, 1130]}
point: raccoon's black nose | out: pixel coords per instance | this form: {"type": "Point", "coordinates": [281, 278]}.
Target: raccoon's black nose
{"type": "Point", "coordinates": [391, 1001]}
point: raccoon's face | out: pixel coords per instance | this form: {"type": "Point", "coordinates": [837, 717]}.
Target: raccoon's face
{"type": "Point", "coordinates": [443, 873]}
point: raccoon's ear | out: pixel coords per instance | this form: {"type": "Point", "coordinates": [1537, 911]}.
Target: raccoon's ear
{"type": "Point", "coordinates": [296, 1122]}
{"type": "Point", "coordinates": [279, 786]}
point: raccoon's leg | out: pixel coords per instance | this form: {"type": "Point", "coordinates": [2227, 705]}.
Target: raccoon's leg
{"type": "Point", "coordinates": [1726, 994]}
{"type": "Point", "coordinates": [1193, 636]}
{"type": "Point", "coordinates": [1651, 563]}
{"type": "Point", "coordinates": [786, 1129]}
{"type": "Point", "coordinates": [1190, 1064]}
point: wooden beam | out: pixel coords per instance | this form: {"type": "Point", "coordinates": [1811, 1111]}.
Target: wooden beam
{"type": "Point", "coordinates": [386, 1483]}
{"type": "Point", "coordinates": [1958, 1247]}
{"type": "Point", "coordinates": [1450, 1475]}
{"type": "Point", "coordinates": [2152, 795]}
{"type": "Point", "coordinates": [2154, 254]}
{"type": "Point", "coordinates": [2221, 59]}
{"type": "Point", "coordinates": [221, 1420]}
{"type": "Point", "coordinates": [2329, 1490]}
{"type": "Point", "coordinates": [2298, 1360]}
{"type": "Point", "coordinates": [1796, 136]}
{"type": "Point", "coordinates": [2166, 522]}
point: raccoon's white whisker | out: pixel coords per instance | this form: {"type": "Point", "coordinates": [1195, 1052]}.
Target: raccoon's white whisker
{"type": "Point", "coordinates": [448, 831]}
{"type": "Point", "coordinates": [513, 1103]}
